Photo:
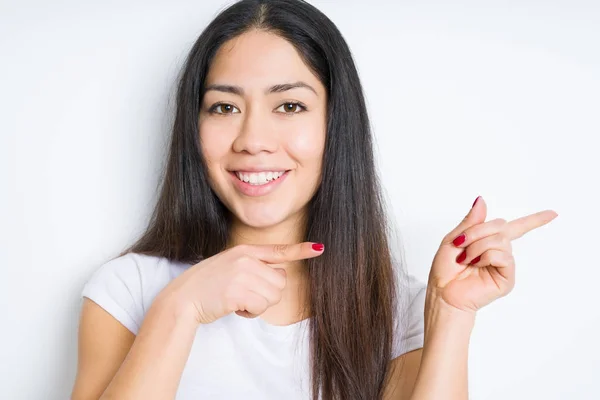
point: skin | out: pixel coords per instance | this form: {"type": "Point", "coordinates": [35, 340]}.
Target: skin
{"type": "Point", "coordinates": [264, 130]}
{"type": "Point", "coordinates": [258, 128]}
{"type": "Point", "coordinates": [260, 274]}
{"type": "Point", "coordinates": [458, 287]}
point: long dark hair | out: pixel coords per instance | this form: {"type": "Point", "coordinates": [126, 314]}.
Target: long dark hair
{"type": "Point", "coordinates": [352, 284]}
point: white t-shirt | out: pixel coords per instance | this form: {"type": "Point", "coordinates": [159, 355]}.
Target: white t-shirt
{"type": "Point", "coordinates": [233, 357]}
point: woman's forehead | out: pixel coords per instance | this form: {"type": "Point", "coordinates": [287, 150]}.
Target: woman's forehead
{"type": "Point", "coordinates": [259, 59]}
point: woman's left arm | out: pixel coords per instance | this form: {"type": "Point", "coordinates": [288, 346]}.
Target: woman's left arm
{"type": "Point", "coordinates": [439, 369]}
{"type": "Point", "coordinates": [473, 267]}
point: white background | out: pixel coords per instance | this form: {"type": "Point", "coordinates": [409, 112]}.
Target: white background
{"type": "Point", "coordinates": [494, 98]}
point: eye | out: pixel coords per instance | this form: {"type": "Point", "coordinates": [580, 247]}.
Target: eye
{"type": "Point", "coordinates": [292, 107]}
{"type": "Point", "coordinates": [223, 108]}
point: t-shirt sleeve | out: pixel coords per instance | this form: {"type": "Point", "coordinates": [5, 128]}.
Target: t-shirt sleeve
{"type": "Point", "coordinates": [409, 320]}
{"type": "Point", "coordinates": [117, 287]}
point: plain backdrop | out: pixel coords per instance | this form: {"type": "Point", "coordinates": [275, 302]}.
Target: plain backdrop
{"type": "Point", "coordinates": [467, 98]}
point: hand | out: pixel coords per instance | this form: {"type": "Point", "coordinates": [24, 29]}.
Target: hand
{"type": "Point", "coordinates": [239, 280]}
{"type": "Point", "coordinates": [474, 264]}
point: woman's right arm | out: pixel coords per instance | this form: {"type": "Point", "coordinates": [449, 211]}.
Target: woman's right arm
{"type": "Point", "coordinates": [113, 363]}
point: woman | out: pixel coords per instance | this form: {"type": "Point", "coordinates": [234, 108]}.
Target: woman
{"type": "Point", "coordinates": [266, 271]}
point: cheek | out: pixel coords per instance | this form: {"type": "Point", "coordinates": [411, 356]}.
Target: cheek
{"type": "Point", "coordinates": [215, 143]}
{"type": "Point", "coordinates": [306, 145]}
{"type": "Point", "coordinates": [215, 146]}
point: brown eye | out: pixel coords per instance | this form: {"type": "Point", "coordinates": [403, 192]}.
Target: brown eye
{"type": "Point", "coordinates": [292, 108]}
{"type": "Point", "coordinates": [223, 109]}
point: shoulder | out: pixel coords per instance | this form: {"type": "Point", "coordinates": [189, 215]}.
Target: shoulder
{"type": "Point", "coordinates": [126, 286]}
{"type": "Point", "coordinates": [409, 318]}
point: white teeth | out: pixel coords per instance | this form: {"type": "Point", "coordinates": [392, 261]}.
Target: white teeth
{"type": "Point", "coordinates": [259, 178]}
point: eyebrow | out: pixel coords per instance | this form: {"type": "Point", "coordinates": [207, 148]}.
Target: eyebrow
{"type": "Point", "coordinates": [273, 89]}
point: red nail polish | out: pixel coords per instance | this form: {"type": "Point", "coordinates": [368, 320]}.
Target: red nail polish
{"type": "Point", "coordinates": [459, 240]}
{"type": "Point", "coordinates": [476, 260]}
{"type": "Point", "coordinates": [318, 246]}
{"type": "Point", "coordinates": [461, 257]}
{"type": "Point", "coordinates": [475, 202]}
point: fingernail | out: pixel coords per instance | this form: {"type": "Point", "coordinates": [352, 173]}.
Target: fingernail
{"type": "Point", "coordinates": [318, 246]}
{"type": "Point", "coordinates": [459, 240]}
{"type": "Point", "coordinates": [476, 260]}
{"type": "Point", "coordinates": [475, 202]}
{"type": "Point", "coordinates": [461, 257]}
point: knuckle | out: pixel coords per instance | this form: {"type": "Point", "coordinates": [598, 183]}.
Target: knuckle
{"type": "Point", "coordinates": [243, 262]}
{"type": "Point", "coordinates": [273, 296]}
{"type": "Point", "coordinates": [448, 238]}
{"type": "Point", "coordinates": [511, 260]}
{"type": "Point", "coordinates": [231, 300]}
{"type": "Point", "coordinates": [281, 282]}
{"type": "Point", "coordinates": [280, 249]}
{"type": "Point", "coordinates": [505, 241]}
{"type": "Point", "coordinates": [264, 305]}
{"type": "Point", "coordinates": [502, 225]}
{"type": "Point", "coordinates": [240, 277]}
{"type": "Point", "coordinates": [259, 305]}
{"type": "Point", "coordinates": [485, 259]}
{"type": "Point", "coordinates": [491, 257]}
{"type": "Point", "coordinates": [277, 279]}
{"type": "Point", "coordinates": [499, 240]}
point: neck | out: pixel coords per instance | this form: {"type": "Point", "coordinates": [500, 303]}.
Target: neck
{"type": "Point", "coordinates": [290, 231]}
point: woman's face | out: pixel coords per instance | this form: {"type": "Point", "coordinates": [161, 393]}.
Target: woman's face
{"type": "Point", "coordinates": [262, 126]}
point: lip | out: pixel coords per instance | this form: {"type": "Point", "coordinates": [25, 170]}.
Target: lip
{"type": "Point", "coordinates": [257, 190]}
{"type": "Point", "coordinates": [257, 169]}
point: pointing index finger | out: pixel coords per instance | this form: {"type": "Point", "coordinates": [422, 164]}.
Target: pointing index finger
{"type": "Point", "coordinates": [520, 226]}
{"type": "Point", "coordinates": [280, 253]}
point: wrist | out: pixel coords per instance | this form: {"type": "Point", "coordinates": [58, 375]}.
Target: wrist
{"type": "Point", "coordinates": [177, 306]}
{"type": "Point", "coordinates": [442, 317]}
{"type": "Point", "coordinates": [443, 372]}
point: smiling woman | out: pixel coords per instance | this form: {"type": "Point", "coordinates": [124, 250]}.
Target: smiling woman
{"type": "Point", "coordinates": [270, 208]}
{"type": "Point", "coordinates": [266, 271]}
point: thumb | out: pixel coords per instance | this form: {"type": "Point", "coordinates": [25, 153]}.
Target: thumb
{"type": "Point", "coordinates": [476, 215]}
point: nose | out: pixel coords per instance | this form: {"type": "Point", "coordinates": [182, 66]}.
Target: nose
{"type": "Point", "coordinates": [256, 133]}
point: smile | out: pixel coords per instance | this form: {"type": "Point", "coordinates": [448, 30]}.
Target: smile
{"type": "Point", "coordinates": [259, 178]}
{"type": "Point", "coordinates": [255, 184]}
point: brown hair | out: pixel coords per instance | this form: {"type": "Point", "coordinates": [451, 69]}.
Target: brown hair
{"type": "Point", "coordinates": [352, 285]}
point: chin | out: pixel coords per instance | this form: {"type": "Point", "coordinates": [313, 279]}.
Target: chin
{"type": "Point", "coordinates": [262, 216]}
